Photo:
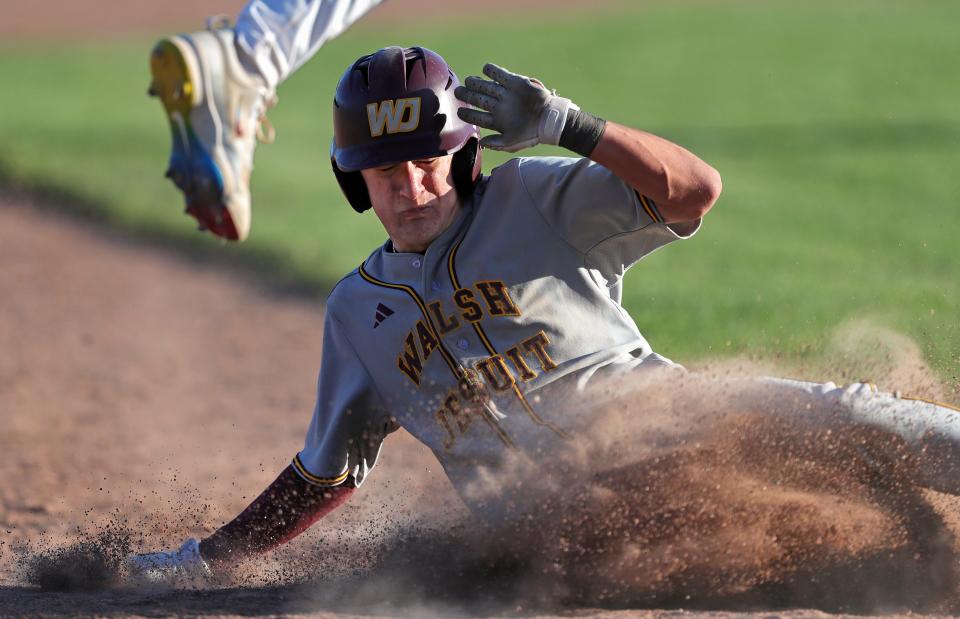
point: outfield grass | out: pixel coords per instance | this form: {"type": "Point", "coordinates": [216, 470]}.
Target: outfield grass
{"type": "Point", "coordinates": [834, 124]}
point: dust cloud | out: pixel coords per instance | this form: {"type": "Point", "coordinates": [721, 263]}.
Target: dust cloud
{"type": "Point", "coordinates": [91, 564]}
{"type": "Point", "coordinates": [680, 494]}
{"type": "Point", "coordinates": [696, 490]}
{"type": "Point", "coordinates": [686, 490]}
{"type": "Point", "coordinates": [702, 490]}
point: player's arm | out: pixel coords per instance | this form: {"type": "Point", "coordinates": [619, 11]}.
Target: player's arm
{"type": "Point", "coordinates": [681, 184]}
{"type": "Point", "coordinates": [525, 113]}
{"type": "Point", "coordinates": [342, 444]}
{"type": "Point", "coordinates": [288, 507]}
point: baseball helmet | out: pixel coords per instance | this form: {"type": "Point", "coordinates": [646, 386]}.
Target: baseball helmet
{"type": "Point", "coordinates": [397, 105]}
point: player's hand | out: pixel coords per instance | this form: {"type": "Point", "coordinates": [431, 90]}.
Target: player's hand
{"type": "Point", "coordinates": [520, 108]}
{"type": "Point", "coordinates": [175, 568]}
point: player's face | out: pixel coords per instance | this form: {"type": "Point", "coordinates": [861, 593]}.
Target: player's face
{"type": "Point", "coordinates": [414, 200]}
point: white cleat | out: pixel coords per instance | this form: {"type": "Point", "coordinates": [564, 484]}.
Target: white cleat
{"type": "Point", "coordinates": [177, 568]}
{"type": "Point", "coordinates": [216, 111]}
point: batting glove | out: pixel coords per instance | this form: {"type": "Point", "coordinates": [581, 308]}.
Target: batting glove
{"type": "Point", "coordinates": [520, 108]}
{"type": "Point", "coordinates": [176, 568]}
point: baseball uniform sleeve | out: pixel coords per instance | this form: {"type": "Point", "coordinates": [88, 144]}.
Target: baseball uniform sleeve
{"type": "Point", "coordinates": [607, 221]}
{"type": "Point", "coordinates": [349, 419]}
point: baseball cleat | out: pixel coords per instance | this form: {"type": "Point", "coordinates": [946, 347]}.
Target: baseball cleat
{"type": "Point", "coordinates": [216, 112]}
{"type": "Point", "coordinates": [176, 568]}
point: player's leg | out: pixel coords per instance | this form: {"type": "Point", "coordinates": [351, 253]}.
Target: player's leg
{"type": "Point", "coordinates": [278, 37]}
{"type": "Point", "coordinates": [931, 429]}
{"type": "Point", "coordinates": [215, 87]}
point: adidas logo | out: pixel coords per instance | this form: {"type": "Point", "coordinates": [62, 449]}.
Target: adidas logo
{"type": "Point", "coordinates": [382, 312]}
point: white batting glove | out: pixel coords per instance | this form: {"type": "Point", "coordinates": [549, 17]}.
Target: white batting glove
{"type": "Point", "coordinates": [176, 568]}
{"type": "Point", "coordinates": [520, 108]}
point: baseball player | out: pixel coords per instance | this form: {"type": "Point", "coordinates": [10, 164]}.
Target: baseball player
{"type": "Point", "coordinates": [495, 301]}
{"type": "Point", "coordinates": [216, 87]}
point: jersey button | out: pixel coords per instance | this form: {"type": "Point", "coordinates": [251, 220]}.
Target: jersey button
{"type": "Point", "coordinates": [435, 285]}
{"type": "Point", "coordinates": [463, 344]}
{"type": "Point", "coordinates": [416, 263]}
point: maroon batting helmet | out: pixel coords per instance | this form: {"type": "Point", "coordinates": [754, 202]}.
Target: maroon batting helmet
{"type": "Point", "coordinates": [397, 105]}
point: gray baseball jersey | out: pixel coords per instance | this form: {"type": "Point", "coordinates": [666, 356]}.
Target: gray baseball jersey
{"type": "Point", "coordinates": [466, 345]}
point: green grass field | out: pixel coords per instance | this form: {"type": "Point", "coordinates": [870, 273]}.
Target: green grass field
{"type": "Point", "coordinates": [835, 126]}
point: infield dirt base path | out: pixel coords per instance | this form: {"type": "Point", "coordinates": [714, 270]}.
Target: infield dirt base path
{"type": "Point", "coordinates": [156, 393]}
{"type": "Point", "coordinates": [139, 383]}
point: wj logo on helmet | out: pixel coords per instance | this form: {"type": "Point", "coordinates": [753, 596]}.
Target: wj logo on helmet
{"type": "Point", "coordinates": [393, 116]}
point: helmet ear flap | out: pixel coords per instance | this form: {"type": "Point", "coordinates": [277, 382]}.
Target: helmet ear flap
{"type": "Point", "coordinates": [466, 168]}
{"type": "Point", "coordinates": [353, 187]}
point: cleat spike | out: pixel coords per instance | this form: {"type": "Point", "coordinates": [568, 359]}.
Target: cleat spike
{"type": "Point", "coordinates": [168, 173]}
{"type": "Point", "coordinates": [152, 91]}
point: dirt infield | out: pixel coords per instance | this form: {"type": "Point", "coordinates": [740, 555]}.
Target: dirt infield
{"type": "Point", "coordinates": [150, 395]}
{"type": "Point", "coordinates": [138, 381]}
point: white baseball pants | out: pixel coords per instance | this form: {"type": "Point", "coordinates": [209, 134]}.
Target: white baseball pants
{"type": "Point", "coordinates": [931, 429]}
{"type": "Point", "coordinates": [278, 36]}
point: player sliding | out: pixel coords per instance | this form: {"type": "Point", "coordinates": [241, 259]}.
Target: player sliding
{"type": "Point", "coordinates": [494, 304]}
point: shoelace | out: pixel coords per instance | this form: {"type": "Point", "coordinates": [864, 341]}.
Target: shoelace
{"type": "Point", "coordinates": [266, 134]}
